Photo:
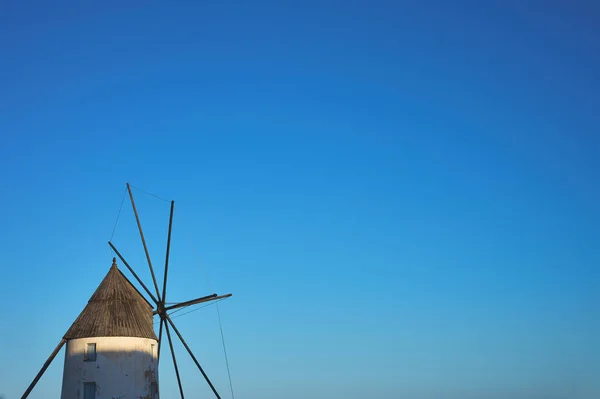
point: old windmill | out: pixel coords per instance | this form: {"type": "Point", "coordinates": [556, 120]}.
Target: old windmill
{"type": "Point", "coordinates": [112, 350]}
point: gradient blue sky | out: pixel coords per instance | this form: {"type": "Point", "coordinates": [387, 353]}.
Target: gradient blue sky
{"type": "Point", "coordinates": [402, 196]}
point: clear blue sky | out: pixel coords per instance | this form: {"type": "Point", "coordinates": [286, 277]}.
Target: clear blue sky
{"type": "Point", "coordinates": [403, 197]}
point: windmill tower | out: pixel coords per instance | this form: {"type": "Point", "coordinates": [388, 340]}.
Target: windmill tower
{"type": "Point", "coordinates": [112, 350]}
{"type": "Point", "coordinates": [111, 347]}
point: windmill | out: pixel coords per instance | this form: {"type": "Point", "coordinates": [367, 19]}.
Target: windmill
{"type": "Point", "coordinates": [118, 311]}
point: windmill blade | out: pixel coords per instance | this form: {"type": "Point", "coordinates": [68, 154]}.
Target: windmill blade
{"type": "Point", "coordinates": [174, 360]}
{"type": "Point", "coordinates": [192, 355]}
{"type": "Point", "coordinates": [132, 272]}
{"type": "Point", "coordinates": [207, 298]}
{"type": "Point", "coordinates": [164, 290]}
{"type": "Point", "coordinates": [137, 219]}
{"type": "Point", "coordinates": [162, 321]}
{"type": "Point", "coordinates": [44, 367]}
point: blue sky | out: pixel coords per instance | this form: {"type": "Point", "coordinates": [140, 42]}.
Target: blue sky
{"type": "Point", "coordinates": [402, 196]}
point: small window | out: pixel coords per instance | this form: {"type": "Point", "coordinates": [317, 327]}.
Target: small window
{"type": "Point", "coordinates": [90, 353]}
{"type": "Point", "coordinates": [89, 390]}
{"type": "Point", "coordinates": [152, 352]}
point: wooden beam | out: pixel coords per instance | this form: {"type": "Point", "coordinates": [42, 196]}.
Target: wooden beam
{"type": "Point", "coordinates": [44, 367]}
{"type": "Point", "coordinates": [162, 321]}
{"type": "Point", "coordinates": [207, 298]}
{"type": "Point", "coordinates": [164, 290]}
{"type": "Point", "coordinates": [134, 275]}
{"type": "Point", "coordinates": [174, 361]}
{"type": "Point", "coordinates": [193, 357]}
{"type": "Point", "coordinates": [137, 219]}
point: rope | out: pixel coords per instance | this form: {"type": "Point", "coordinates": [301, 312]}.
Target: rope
{"type": "Point", "coordinates": [193, 310]}
{"type": "Point", "coordinates": [146, 192]}
{"type": "Point", "coordinates": [225, 351]}
{"type": "Point", "coordinates": [218, 314]}
{"type": "Point", "coordinates": [118, 215]}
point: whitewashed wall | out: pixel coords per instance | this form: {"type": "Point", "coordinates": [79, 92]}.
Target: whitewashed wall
{"type": "Point", "coordinates": [124, 368]}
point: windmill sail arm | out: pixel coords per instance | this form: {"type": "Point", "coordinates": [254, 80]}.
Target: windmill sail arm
{"type": "Point", "coordinates": [44, 367]}
{"type": "Point", "coordinates": [174, 361]}
{"type": "Point", "coordinates": [208, 298]}
{"type": "Point", "coordinates": [134, 274]}
{"type": "Point", "coordinates": [137, 219]}
{"type": "Point", "coordinates": [192, 355]}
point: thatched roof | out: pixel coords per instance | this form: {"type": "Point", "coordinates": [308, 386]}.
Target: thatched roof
{"type": "Point", "coordinates": [117, 309]}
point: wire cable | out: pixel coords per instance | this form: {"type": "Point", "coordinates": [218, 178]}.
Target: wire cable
{"type": "Point", "coordinates": [146, 192]}
{"type": "Point", "coordinates": [224, 350]}
{"type": "Point", "coordinates": [218, 313]}
{"type": "Point", "coordinates": [193, 310]}
{"type": "Point", "coordinates": [118, 215]}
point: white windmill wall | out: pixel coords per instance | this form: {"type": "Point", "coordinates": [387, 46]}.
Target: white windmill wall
{"type": "Point", "coordinates": [125, 367]}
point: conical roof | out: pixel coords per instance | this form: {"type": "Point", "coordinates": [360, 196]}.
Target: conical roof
{"type": "Point", "coordinates": [117, 309]}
